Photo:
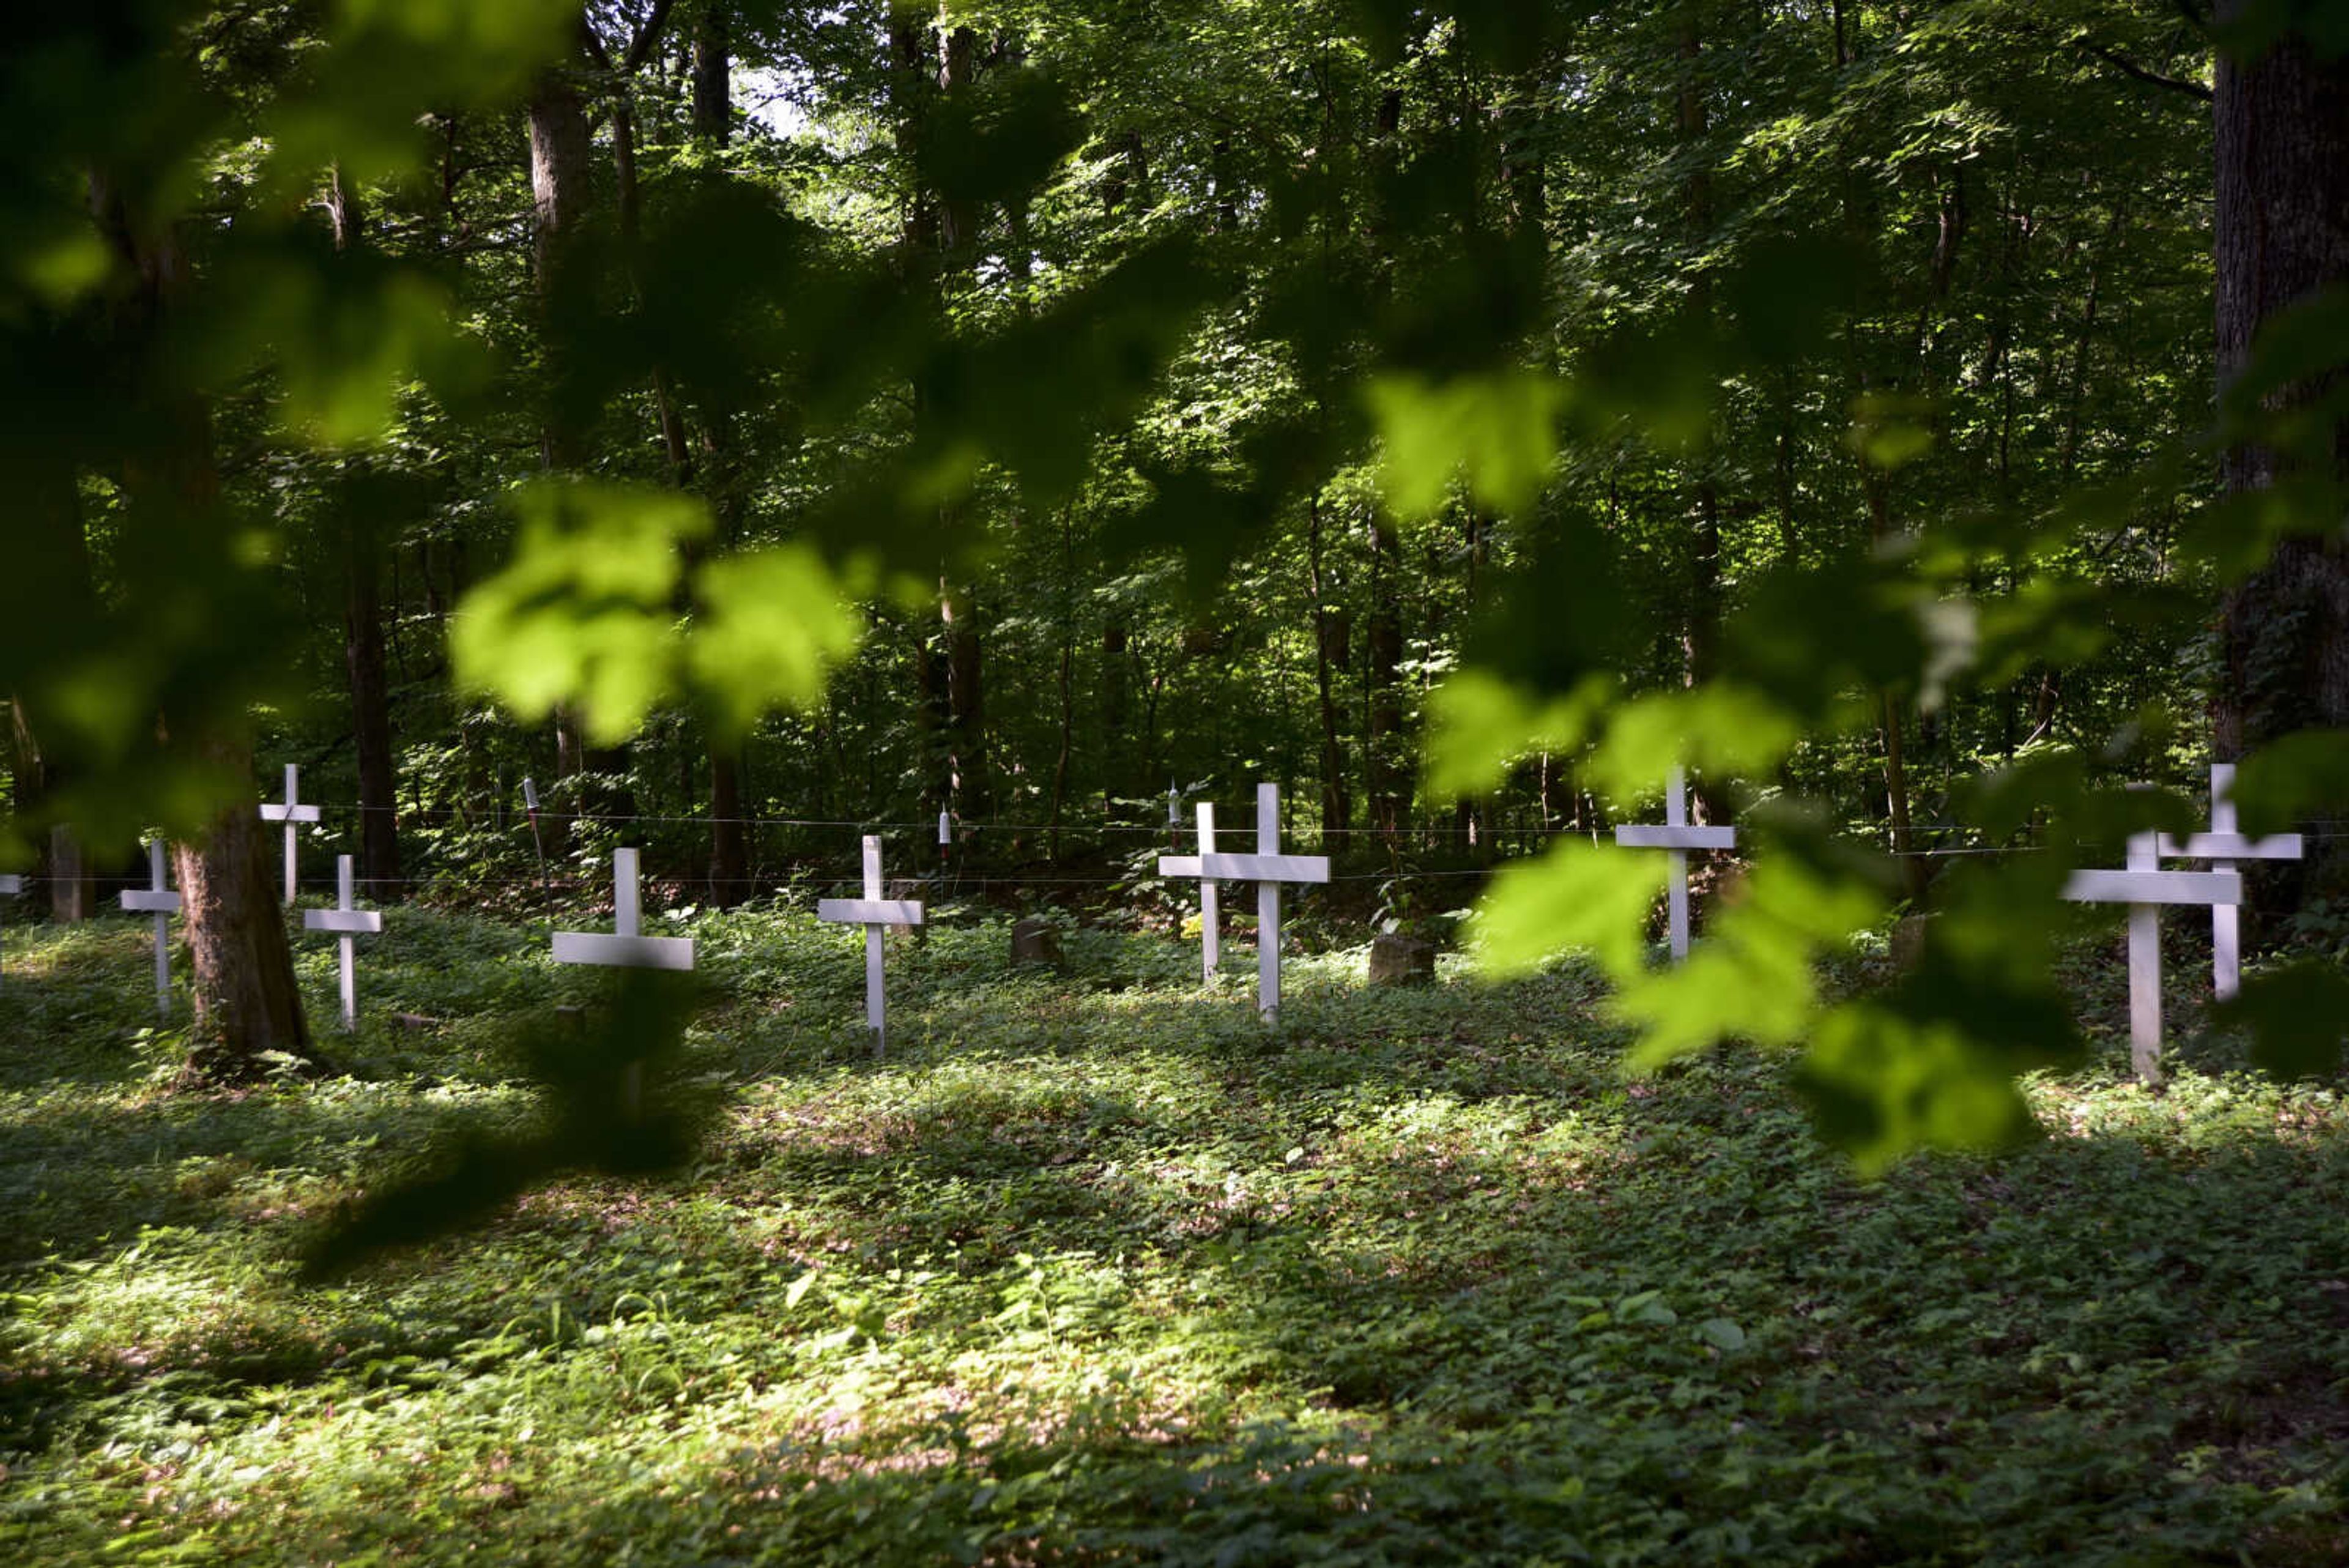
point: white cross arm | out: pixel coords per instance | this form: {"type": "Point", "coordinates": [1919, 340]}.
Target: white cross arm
{"type": "Point", "coordinates": [147, 902]}
{"type": "Point", "coordinates": [2155, 888]}
{"type": "Point", "coordinates": [280, 811]}
{"type": "Point", "coordinates": [12, 883]}
{"type": "Point", "coordinates": [627, 953]}
{"type": "Point", "coordinates": [1264, 867]}
{"type": "Point", "coordinates": [1178, 866]}
{"type": "Point", "coordinates": [348, 922]}
{"type": "Point", "coordinates": [1650, 836]}
{"type": "Point", "coordinates": [870, 911]}
{"type": "Point", "coordinates": [2232, 846]}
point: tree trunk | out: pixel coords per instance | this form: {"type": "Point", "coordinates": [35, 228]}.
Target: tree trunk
{"type": "Point", "coordinates": [1701, 641]}
{"type": "Point", "coordinates": [370, 714]}
{"type": "Point", "coordinates": [246, 1001]}
{"type": "Point", "coordinates": [2283, 190]}
{"type": "Point", "coordinates": [1386, 769]}
{"type": "Point", "coordinates": [1331, 637]}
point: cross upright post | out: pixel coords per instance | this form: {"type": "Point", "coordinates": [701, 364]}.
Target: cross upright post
{"type": "Point", "coordinates": [628, 947]}
{"type": "Point", "coordinates": [347, 920]}
{"type": "Point", "coordinates": [2144, 886]}
{"type": "Point", "coordinates": [873, 912]}
{"type": "Point", "coordinates": [1210, 915]}
{"type": "Point", "coordinates": [292, 814]}
{"type": "Point", "coordinates": [1268, 868]}
{"type": "Point", "coordinates": [159, 900]}
{"type": "Point", "coordinates": [11, 884]}
{"type": "Point", "coordinates": [2224, 847]}
{"type": "Point", "coordinates": [1677, 837]}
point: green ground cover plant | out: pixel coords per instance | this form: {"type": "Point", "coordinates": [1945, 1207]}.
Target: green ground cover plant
{"type": "Point", "coordinates": [1095, 1268]}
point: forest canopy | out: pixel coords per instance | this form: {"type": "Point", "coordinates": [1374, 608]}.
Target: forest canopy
{"type": "Point", "coordinates": [749, 418]}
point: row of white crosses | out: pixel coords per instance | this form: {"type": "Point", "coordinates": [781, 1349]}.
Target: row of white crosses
{"type": "Point", "coordinates": [1268, 868]}
{"type": "Point", "coordinates": [2144, 886]}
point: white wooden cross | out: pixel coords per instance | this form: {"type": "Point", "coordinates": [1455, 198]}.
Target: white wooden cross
{"type": "Point", "coordinates": [1268, 868]}
{"type": "Point", "coordinates": [159, 900]}
{"type": "Point", "coordinates": [292, 814]}
{"type": "Point", "coordinates": [347, 920]}
{"type": "Point", "coordinates": [2223, 846]}
{"type": "Point", "coordinates": [628, 947]}
{"type": "Point", "coordinates": [2144, 886]}
{"type": "Point", "coordinates": [1210, 917]}
{"type": "Point", "coordinates": [873, 912]}
{"type": "Point", "coordinates": [1677, 836]}
{"type": "Point", "coordinates": [11, 884]}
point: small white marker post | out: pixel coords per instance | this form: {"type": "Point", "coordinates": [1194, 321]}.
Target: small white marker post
{"type": "Point", "coordinates": [1268, 868]}
{"type": "Point", "coordinates": [1210, 917]}
{"type": "Point", "coordinates": [11, 884]}
{"type": "Point", "coordinates": [347, 920]}
{"type": "Point", "coordinates": [1679, 837]}
{"type": "Point", "coordinates": [292, 814]}
{"type": "Point", "coordinates": [873, 912]}
{"type": "Point", "coordinates": [159, 900]}
{"type": "Point", "coordinates": [628, 947]}
{"type": "Point", "coordinates": [2223, 846]}
{"type": "Point", "coordinates": [2144, 886]}
{"type": "Point", "coordinates": [946, 839]}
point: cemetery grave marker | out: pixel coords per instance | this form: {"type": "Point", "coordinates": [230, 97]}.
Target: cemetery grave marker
{"type": "Point", "coordinates": [2144, 886]}
{"type": "Point", "coordinates": [1268, 868]}
{"type": "Point", "coordinates": [292, 813]}
{"type": "Point", "coordinates": [2224, 845]}
{"type": "Point", "coordinates": [628, 947]}
{"type": "Point", "coordinates": [1210, 915]}
{"type": "Point", "coordinates": [1679, 837]}
{"type": "Point", "coordinates": [159, 900]}
{"type": "Point", "coordinates": [873, 912]}
{"type": "Point", "coordinates": [347, 922]}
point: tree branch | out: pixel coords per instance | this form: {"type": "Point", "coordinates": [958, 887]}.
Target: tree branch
{"type": "Point", "coordinates": [2152, 78]}
{"type": "Point", "coordinates": [646, 36]}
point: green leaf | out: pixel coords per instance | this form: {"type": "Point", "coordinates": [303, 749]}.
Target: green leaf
{"type": "Point", "coordinates": [2299, 1017]}
{"type": "Point", "coordinates": [1576, 895]}
{"type": "Point", "coordinates": [1884, 1085]}
{"type": "Point", "coordinates": [1497, 431]}
{"type": "Point", "coordinates": [584, 612]}
{"type": "Point", "coordinates": [774, 624]}
{"type": "Point", "coordinates": [1722, 1334]}
{"type": "Point", "coordinates": [1480, 725]}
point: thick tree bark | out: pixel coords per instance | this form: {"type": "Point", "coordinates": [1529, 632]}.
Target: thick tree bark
{"type": "Point", "coordinates": [1331, 634]}
{"type": "Point", "coordinates": [2282, 189]}
{"type": "Point", "coordinates": [1700, 639]}
{"type": "Point", "coordinates": [246, 1001]}
{"type": "Point", "coordinates": [1386, 770]}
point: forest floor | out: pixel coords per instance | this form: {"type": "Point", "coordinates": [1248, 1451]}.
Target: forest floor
{"type": "Point", "coordinates": [1095, 1268]}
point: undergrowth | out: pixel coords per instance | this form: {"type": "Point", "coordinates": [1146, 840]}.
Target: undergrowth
{"type": "Point", "coordinates": [1095, 1268]}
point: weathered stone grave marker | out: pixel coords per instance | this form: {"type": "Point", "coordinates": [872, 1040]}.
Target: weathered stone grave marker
{"type": "Point", "coordinates": [873, 912]}
{"type": "Point", "coordinates": [2144, 886]}
{"type": "Point", "coordinates": [1268, 868]}
{"type": "Point", "coordinates": [347, 922]}
{"type": "Point", "coordinates": [628, 947]}
{"type": "Point", "coordinates": [292, 813]}
{"type": "Point", "coordinates": [1677, 837]}
{"type": "Point", "coordinates": [157, 900]}
{"type": "Point", "coordinates": [2224, 845]}
{"type": "Point", "coordinates": [1210, 917]}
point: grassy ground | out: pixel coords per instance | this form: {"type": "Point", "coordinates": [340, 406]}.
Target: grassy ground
{"type": "Point", "coordinates": [1095, 1268]}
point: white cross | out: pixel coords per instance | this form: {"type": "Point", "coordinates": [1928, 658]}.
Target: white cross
{"type": "Point", "coordinates": [1210, 917]}
{"type": "Point", "coordinates": [1268, 868]}
{"type": "Point", "coordinates": [347, 920]}
{"type": "Point", "coordinates": [11, 884]}
{"type": "Point", "coordinates": [2144, 886]}
{"type": "Point", "coordinates": [2223, 846]}
{"type": "Point", "coordinates": [873, 912]}
{"type": "Point", "coordinates": [292, 814]}
{"type": "Point", "coordinates": [628, 948]}
{"type": "Point", "coordinates": [159, 900]}
{"type": "Point", "coordinates": [1679, 837]}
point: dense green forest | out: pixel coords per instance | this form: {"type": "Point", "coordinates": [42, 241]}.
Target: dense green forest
{"type": "Point", "coordinates": [730, 428]}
